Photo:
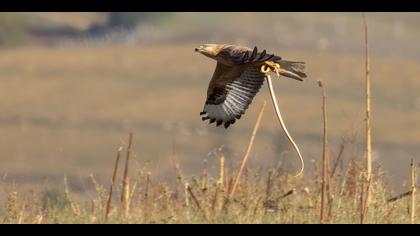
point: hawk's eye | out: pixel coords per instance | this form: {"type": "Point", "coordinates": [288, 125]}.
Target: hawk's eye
{"type": "Point", "coordinates": [223, 54]}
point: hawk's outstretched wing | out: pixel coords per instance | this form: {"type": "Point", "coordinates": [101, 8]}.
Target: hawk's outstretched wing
{"type": "Point", "coordinates": [230, 92]}
{"type": "Point", "coordinates": [237, 79]}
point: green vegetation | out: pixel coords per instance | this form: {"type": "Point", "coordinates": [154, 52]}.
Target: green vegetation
{"type": "Point", "coordinates": [13, 29]}
{"type": "Point", "coordinates": [132, 19]}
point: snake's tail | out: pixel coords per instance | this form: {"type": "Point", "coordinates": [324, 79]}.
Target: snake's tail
{"type": "Point", "coordinates": [283, 126]}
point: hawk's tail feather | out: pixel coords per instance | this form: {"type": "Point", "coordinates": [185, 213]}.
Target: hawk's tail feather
{"type": "Point", "coordinates": [293, 69]}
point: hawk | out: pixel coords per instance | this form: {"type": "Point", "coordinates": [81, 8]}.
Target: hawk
{"type": "Point", "coordinates": [238, 78]}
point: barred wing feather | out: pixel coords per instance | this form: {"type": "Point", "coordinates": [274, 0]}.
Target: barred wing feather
{"type": "Point", "coordinates": [228, 101]}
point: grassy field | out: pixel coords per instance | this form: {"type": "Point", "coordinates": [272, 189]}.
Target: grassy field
{"type": "Point", "coordinates": [261, 197]}
{"type": "Point", "coordinates": [65, 113]}
{"type": "Point", "coordinates": [67, 109]}
{"type": "Point", "coordinates": [81, 107]}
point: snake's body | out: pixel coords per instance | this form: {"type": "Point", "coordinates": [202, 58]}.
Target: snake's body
{"type": "Point", "coordinates": [266, 71]}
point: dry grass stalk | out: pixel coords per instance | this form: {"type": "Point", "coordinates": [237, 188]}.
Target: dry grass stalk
{"type": "Point", "coordinates": [146, 191]}
{"type": "Point", "coordinates": [361, 204]}
{"type": "Point", "coordinates": [125, 195]}
{"type": "Point", "coordinates": [205, 176]}
{"type": "Point", "coordinates": [39, 219]}
{"type": "Point", "coordinates": [100, 190]}
{"type": "Point", "coordinates": [268, 191]}
{"type": "Point", "coordinates": [337, 160]}
{"type": "Point", "coordinates": [177, 192]}
{"type": "Point", "coordinates": [93, 207]}
{"type": "Point", "coordinates": [146, 197]}
{"type": "Point", "coordinates": [215, 202]}
{"type": "Point", "coordinates": [398, 197]}
{"type": "Point", "coordinates": [220, 184]}
{"type": "Point", "coordinates": [187, 201]}
{"type": "Point", "coordinates": [325, 195]}
{"type": "Point", "coordinates": [133, 191]}
{"type": "Point", "coordinates": [195, 200]}
{"type": "Point", "coordinates": [330, 204]}
{"type": "Point", "coordinates": [126, 201]}
{"type": "Point", "coordinates": [222, 171]}
{"type": "Point", "coordinates": [365, 201]}
{"type": "Point", "coordinates": [176, 183]}
{"type": "Point", "coordinates": [413, 191]}
{"type": "Point", "coordinates": [251, 142]}
{"type": "Point", "coordinates": [351, 180]}
{"type": "Point", "coordinates": [113, 181]}
{"type": "Point", "coordinates": [288, 193]}
{"type": "Point", "coordinates": [21, 217]}
{"type": "Point", "coordinates": [366, 195]}
{"type": "Point", "coordinates": [12, 207]}
{"type": "Point", "coordinates": [74, 207]}
{"type": "Point", "coordinates": [228, 179]}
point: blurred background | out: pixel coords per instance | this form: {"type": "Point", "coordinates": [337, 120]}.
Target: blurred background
{"type": "Point", "coordinates": [73, 85]}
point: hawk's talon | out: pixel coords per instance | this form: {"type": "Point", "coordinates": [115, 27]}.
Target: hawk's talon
{"type": "Point", "coordinates": [265, 70]}
{"type": "Point", "coordinates": [271, 66]}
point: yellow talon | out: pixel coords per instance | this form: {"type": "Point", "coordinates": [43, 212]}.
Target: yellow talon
{"type": "Point", "coordinates": [265, 70]}
{"type": "Point", "coordinates": [271, 66]}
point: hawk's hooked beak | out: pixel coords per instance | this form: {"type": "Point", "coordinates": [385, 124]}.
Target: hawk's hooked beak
{"type": "Point", "coordinates": [199, 49]}
{"type": "Point", "coordinates": [209, 50]}
{"type": "Point", "coordinates": [204, 50]}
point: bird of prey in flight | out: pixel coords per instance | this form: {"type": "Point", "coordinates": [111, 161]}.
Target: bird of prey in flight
{"type": "Point", "coordinates": [238, 78]}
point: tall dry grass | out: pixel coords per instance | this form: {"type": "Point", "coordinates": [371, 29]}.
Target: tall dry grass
{"type": "Point", "coordinates": [261, 197]}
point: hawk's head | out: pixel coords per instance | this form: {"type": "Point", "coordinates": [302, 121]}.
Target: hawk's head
{"type": "Point", "coordinates": [211, 50]}
{"type": "Point", "coordinates": [219, 52]}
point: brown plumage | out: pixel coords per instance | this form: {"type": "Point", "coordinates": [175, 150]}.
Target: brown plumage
{"type": "Point", "coordinates": [237, 79]}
